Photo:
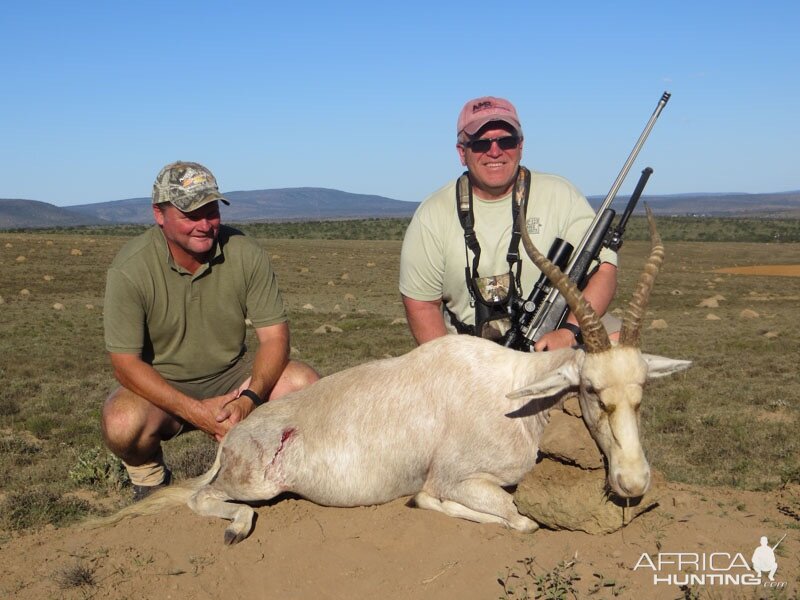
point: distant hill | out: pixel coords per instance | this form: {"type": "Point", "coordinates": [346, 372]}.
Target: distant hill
{"type": "Point", "coordinates": [773, 205]}
{"type": "Point", "coordinates": [321, 204]}
{"type": "Point", "coordinates": [32, 213]}
{"type": "Point", "coordinates": [288, 204]}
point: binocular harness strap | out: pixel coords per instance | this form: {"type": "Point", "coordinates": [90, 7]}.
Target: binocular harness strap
{"type": "Point", "coordinates": [464, 204]}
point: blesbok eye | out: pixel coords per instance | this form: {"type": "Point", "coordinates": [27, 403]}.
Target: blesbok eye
{"type": "Point", "coordinates": [601, 404]}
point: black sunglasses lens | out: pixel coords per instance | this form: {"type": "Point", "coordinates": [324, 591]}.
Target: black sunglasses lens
{"type": "Point", "coordinates": [508, 143]}
{"type": "Point", "coordinates": [483, 145]}
{"type": "Point", "coordinates": [480, 146]}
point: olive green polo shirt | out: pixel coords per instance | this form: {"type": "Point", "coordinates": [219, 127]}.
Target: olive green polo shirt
{"type": "Point", "coordinates": [189, 327]}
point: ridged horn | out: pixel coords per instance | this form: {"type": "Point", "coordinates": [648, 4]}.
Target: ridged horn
{"type": "Point", "coordinates": [595, 337]}
{"type": "Point", "coordinates": [632, 320]}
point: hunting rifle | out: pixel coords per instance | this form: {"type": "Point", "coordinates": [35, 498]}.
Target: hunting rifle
{"type": "Point", "coordinates": [545, 308]}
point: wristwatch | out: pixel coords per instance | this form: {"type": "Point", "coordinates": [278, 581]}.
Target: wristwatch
{"type": "Point", "coordinates": [576, 331]}
{"type": "Point", "coordinates": [257, 401]}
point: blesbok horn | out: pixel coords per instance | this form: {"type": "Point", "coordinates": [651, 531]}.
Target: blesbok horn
{"type": "Point", "coordinates": [632, 320]}
{"type": "Point", "coordinates": [595, 336]}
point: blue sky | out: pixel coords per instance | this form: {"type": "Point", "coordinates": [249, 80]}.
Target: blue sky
{"type": "Point", "coordinates": [363, 96]}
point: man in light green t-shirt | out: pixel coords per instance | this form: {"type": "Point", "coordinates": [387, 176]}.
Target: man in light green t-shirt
{"type": "Point", "coordinates": [436, 294]}
{"type": "Point", "coordinates": [176, 302]}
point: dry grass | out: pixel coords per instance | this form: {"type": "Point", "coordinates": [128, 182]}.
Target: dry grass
{"type": "Point", "coordinates": [731, 419]}
{"type": "Point", "coordinates": [76, 575]}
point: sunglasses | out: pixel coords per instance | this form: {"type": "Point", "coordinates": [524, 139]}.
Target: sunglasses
{"type": "Point", "coordinates": [508, 142]}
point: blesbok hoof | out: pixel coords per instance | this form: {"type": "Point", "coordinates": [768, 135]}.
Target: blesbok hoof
{"type": "Point", "coordinates": [234, 537]}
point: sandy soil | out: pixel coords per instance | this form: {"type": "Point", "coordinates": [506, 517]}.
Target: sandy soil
{"type": "Point", "coordinates": [300, 550]}
{"type": "Point", "coordinates": [770, 270]}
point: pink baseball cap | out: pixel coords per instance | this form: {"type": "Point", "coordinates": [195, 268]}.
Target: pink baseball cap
{"type": "Point", "coordinates": [480, 111]}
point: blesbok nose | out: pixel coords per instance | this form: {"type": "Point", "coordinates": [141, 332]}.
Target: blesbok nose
{"type": "Point", "coordinates": [632, 485]}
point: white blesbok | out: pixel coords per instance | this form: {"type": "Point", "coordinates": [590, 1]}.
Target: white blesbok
{"type": "Point", "coordinates": [452, 422]}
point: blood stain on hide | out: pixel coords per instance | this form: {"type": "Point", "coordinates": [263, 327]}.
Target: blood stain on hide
{"type": "Point", "coordinates": [285, 437]}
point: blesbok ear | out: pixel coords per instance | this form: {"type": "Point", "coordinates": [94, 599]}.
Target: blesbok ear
{"type": "Point", "coordinates": [661, 366]}
{"type": "Point", "coordinates": [564, 377]}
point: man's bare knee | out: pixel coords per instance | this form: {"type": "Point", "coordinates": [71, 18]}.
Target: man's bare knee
{"type": "Point", "coordinates": [119, 422]}
{"type": "Point", "coordinates": [131, 426]}
{"type": "Point", "coordinates": [296, 376]}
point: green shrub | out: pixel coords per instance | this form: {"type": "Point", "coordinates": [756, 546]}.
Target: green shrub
{"type": "Point", "coordinates": [41, 425]}
{"type": "Point", "coordinates": [97, 467]}
{"type": "Point", "coordinates": [190, 455]}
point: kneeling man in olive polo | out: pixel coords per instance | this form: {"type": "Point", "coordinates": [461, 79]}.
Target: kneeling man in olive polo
{"type": "Point", "coordinates": [176, 301]}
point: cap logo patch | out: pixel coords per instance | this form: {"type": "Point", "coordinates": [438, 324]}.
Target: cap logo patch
{"type": "Point", "coordinates": [193, 178]}
{"type": "Point", "coordinates": [486, 105]}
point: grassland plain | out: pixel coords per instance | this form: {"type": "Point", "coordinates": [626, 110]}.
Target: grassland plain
{"type": "Point", "coordinates": [672, 228]}
{"type": "Point", "coordinates": [731, 420]}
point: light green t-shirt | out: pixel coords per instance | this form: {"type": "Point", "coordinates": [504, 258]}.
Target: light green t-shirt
{"type": "Point", "coordinates": [189, 327]}
{"type": "Point", "coordinates": [434, 255]}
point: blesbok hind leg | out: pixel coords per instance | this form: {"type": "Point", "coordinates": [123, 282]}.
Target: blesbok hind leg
{"type": "Point", "coordinates": [211, 502]}
{"type": "Point", "coordinates": [481, 501]}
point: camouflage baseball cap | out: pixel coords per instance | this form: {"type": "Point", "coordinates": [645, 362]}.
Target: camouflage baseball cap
{"type": "Point", "coordinates": [186, 185]}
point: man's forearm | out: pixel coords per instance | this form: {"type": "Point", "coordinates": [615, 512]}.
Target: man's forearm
{"type": "Point", "coordinates": [270, 360]}
{"type": "Point", "coordinates": [600, 289]}
{"type": "Point", "coordinates": [267, 368]}
{"type": "Point", "coordinates": [425, 319]}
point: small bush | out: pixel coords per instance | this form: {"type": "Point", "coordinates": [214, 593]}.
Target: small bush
{"type": "Point", "coordinates": [97, 467]}
{"type": "Point", "coordinates": [556, 584]}
{"type": "Point", "coordinates": [41, 425]}
{"type": "Point", "coordinates": [191, 455]}
{"type": "Point", "coordinates": [76, 575]}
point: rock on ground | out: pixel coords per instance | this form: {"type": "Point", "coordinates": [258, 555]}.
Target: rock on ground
{"type": "Point", "coordinates": [567, 440]}
{"type": "Point", "coordinates": [567, 488]}
{"type": "Point", "coordinates": [559, 496]}
{"type": "Point", "coordinates": [709, 303]}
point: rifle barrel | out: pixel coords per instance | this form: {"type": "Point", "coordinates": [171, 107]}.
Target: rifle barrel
{"type": "Point", "coordinates": [638, 146]}
{"type": "Point", "coordinates": [625, 168]}
{"type": "Point", "coordinates": [537, 327]}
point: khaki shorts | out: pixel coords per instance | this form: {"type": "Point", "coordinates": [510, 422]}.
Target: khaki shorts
{"type": "Point", "coordinates": [210, 387]}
